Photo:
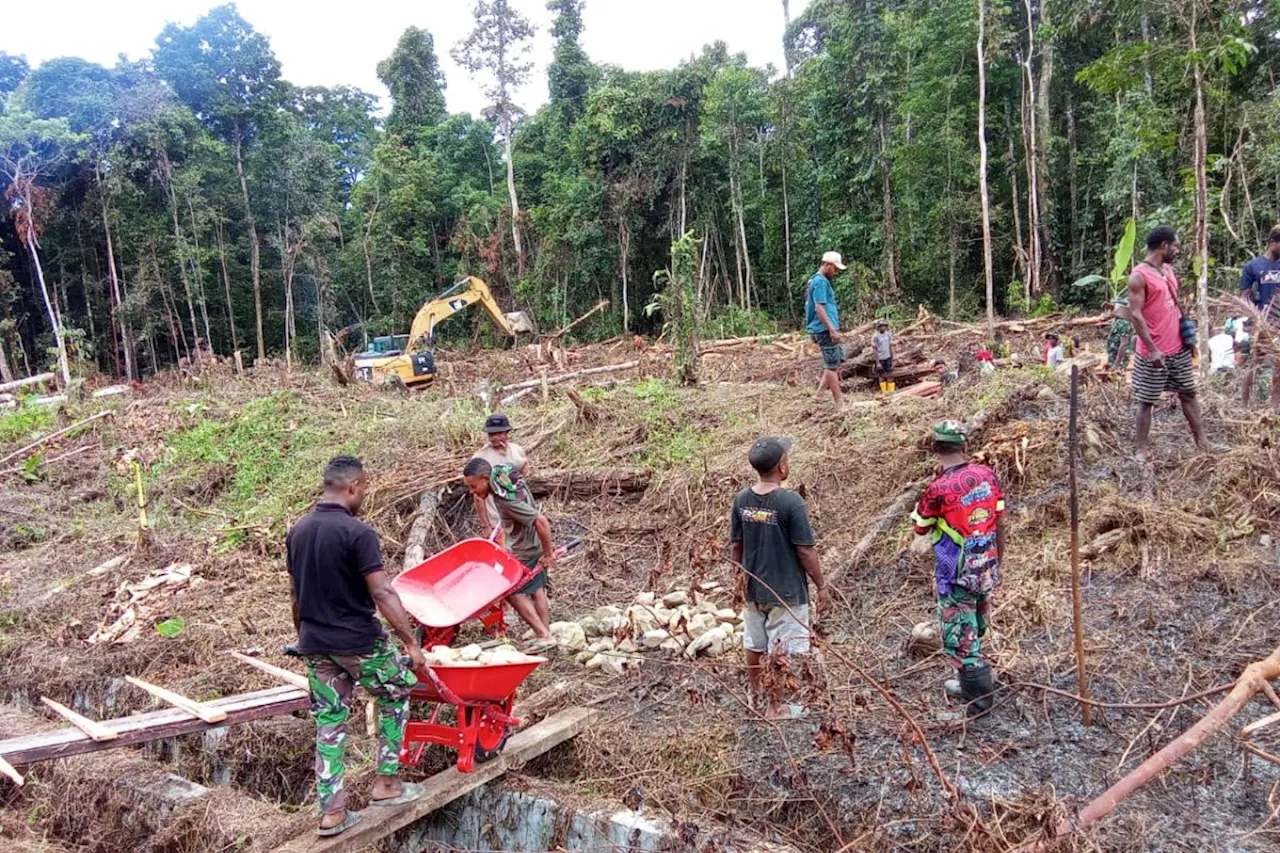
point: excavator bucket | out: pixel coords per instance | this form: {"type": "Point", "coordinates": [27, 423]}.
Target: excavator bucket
{"type": "Point", "coordinates": [519, 321]}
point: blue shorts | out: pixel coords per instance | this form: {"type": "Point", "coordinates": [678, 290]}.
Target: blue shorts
{"type": "Point", "coordinates": [832, 352]}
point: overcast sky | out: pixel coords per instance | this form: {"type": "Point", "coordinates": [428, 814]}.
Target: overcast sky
{"type": "Point", "coordinates": [328, 43]}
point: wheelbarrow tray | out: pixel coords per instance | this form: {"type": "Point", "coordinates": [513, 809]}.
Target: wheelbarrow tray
{"type": "Point", "coordinates": [459, 583]}
{"type": "Point", "coordinates": [474, 683]}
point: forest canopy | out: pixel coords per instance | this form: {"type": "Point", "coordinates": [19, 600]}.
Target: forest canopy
{"type": "Point", "coordinates": [196, 202]}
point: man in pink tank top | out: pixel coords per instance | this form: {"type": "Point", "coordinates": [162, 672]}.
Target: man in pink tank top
{"type": "Point", "coordinates": [1163, 361]}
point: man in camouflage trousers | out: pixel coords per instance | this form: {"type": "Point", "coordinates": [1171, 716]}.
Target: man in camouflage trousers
{"type": "Point", "coordinates": [963, 511]}
{"type": "Point", "coordinates": [338, 588]}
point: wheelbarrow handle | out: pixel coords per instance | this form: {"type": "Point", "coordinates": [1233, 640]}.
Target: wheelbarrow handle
{"type": "Point", "coordinates": [571, 545]}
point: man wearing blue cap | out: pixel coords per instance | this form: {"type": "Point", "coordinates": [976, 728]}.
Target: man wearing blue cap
{"type": "Point", "coordinates": [772, 540]}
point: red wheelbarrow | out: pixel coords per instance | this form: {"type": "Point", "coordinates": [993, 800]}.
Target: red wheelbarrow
{"type": "Point", "coordinates": [465, 581]}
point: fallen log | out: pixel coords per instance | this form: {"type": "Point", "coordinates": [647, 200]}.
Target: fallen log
{"type": "Point", "coordinates": [415, 547]}
{"type": "Point", "coordinates": [895, 512]}
{"type": "Point", "coordinates": [38, 379]}
{"type": "Point", "coordinates": [867, 365]}
{"type": "Point", "coordinates": [565, 377]}
{"type": "Point", "coordinates": [581, 485]}
{"type": "Point", "coordinates": [1254, 679]}
{"type": "Point", "coordinates": [923, 389]}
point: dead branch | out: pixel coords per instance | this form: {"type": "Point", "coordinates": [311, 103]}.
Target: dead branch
{"type": "Point", "coordinates": [584, 485]}
{"type": "Point", "coordinates": [1250, 682]}
{"type": "Point", "coordinates": [599, 306]}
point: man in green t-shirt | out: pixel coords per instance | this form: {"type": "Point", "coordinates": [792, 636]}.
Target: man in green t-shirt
{"type": "Point", "coordinates": [772, 540]}
{"type": "Point", "coordinates": [528, 537]}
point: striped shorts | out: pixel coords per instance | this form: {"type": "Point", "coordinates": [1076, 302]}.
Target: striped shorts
{"type": "Point", "coordinates": [1177, 375]}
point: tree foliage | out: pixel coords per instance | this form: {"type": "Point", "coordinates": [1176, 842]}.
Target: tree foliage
{"type": "Point", "coordinates": [195, 201]}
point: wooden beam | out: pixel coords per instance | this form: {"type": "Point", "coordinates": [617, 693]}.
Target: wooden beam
{"type": "Point", "coordinates": [7, 769]}
{"type": "Point", "coordinates": [154, 725]}
{"type": "Point", "coordinates": [288, 676]}
{"type": "Point", "coordinates": [92, 728]}
{"type": "Point", "coordinates": [177, 700]}
{"type": "Point", "coordinates": [446, 786]}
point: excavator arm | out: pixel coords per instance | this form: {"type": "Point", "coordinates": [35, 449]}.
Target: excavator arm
{"type": "Point", "coordinates": [463, 294]}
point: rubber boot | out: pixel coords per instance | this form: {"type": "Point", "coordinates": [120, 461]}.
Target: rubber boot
{"type": "Point", "coordinates": [977, 687]}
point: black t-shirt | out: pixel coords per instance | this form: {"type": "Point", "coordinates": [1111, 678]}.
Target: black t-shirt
{"type": "Point", "coordinates": [328, 553]}
{"type": "Point", "coordinates": [769, 527]}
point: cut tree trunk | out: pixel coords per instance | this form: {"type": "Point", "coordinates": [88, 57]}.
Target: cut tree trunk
{"type": "Point", "coordinates": [255, 250]}
{"type": "Point", "coordinates": [415, 548]}
{"type": "Point", "coordinates": [583, 485]}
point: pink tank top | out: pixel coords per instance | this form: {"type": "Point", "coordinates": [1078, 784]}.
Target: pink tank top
{"type": "Point", "coordinates": [1161, 311]}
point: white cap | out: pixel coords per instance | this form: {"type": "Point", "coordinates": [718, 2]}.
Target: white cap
{"type": "Point", "coordinates": [834, 258]}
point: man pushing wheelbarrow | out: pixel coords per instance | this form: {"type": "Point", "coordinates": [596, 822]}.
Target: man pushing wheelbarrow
{"type": "Point", "coordinates": [528, 537]}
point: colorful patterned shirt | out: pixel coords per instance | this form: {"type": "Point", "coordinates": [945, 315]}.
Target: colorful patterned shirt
{"type": "Point", "coordinates": [961, 509]}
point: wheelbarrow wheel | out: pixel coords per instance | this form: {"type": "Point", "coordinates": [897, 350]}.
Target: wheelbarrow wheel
{"type": "Point", "coordinates": [491, 737]}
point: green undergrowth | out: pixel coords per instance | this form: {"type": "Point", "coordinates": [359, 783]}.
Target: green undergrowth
{"type": "Point", "coordinates": [25, 424]}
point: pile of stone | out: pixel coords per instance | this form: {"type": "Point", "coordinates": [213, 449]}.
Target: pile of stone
{"type": "Point", "coordinates": [685, 622]}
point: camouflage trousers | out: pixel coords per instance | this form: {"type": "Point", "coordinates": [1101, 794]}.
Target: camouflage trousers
{"type": "Point", "coordinates": [333, 679]}
{"type": "Point", "coordinates": [964, 616]}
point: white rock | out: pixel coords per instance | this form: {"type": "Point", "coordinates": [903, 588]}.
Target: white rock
{"type": "Point", "coordinates": [662, 614]}
{"type": "Point", "coordinates": [675, 599]}
{"type": "Point", "coordinates": [607, 612]}
{"type": "Point", "coordinates": [672, 644]}
{"type": "Point", "coordinates": [646, 598]}
{"type": "Point", "coordinates": [584, 657]}
{"type": "Point", "coordinates": [727, 615]}
{"type": "Point", "coordinates": [705, 606]}
{"type": "Point", "coordinates": [590, 626]}
{"type": "Point", "coordinates": [641, 619]}
{"type": "Point", "coordinates": [610, 624]}
{"type": "Point", "coordinates": [612, 665]}
{"type": "Point", "coordinates": [711, 643]}
{"type": "Point", "coordinates": [709, 586]}
{"type": "Point", "coordinates": [469, 653]}
{"type": "Point", "coordinates": [604, 644]}
{"type": "Point", "coordinates": [700, 624]}
{"type": "Point", "coordinates": [596, 662]}
{"type": "Point", "coordinates": [679, 617]}
{"type": "Point", "coordinates": [569, 635]}
{"type": "Point", "coordinates": [633, 662]}
{"type": "Point", "coordinates": [655, 638]}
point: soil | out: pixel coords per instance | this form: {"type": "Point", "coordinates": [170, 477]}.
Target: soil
{"type": "Point", "coordinates": [1180, 602]}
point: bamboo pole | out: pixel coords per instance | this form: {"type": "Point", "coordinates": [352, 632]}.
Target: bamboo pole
{"type": "Point", "coordinates": [6, 769]}
{"type": "Point", "coordinates": [1077, 609]}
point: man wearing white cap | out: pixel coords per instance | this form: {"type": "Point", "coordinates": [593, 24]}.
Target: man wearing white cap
{"type": "Point", "coordinates": [822, 320]}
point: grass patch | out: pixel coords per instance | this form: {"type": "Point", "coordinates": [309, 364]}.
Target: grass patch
{"type": "Point", "coordinates": [266, 457]}
{"type": "Point", "coordinates": [670, 438]}
{"type": "Point", "coordinates": [25, 424]}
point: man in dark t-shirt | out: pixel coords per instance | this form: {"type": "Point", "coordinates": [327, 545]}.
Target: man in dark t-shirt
{"type": "Point", "coordinates": [1258, 283]}
{"type": "Point", "coordinates": [772, 540]}
{"type": "Point", "coordinates": [338, 586]}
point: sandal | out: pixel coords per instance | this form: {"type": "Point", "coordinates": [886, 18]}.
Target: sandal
{"type": "Point", "coordinates": [410, 791]}
{"type": "Point", "coordinates": [350, 820]}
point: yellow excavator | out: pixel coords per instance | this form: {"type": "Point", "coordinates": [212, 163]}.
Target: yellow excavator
{"type": "Point", "coordinates": [408, 359]}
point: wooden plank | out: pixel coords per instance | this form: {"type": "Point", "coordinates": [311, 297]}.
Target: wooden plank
{"type": "Point", "coordinates": [446, 786]}
{"type": "Point", "coordinates": [7, 769]}
{"type": "Point", "coordinates": [285, 675]}
{"type": "Point", "coordinates": [92, 728]}
{"type": "Point", "coordinates": [154, 725]}
{"type": "Point", "coordinates": [177, 700]}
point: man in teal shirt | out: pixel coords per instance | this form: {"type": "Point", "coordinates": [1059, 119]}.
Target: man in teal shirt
{"type": "Point", "coordinates": [822, 320]}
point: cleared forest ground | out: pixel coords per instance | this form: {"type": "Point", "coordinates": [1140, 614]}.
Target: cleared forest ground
{"type": "Point", "coordinates": [1179, 596]}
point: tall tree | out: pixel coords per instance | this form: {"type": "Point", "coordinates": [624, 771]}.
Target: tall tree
{"type": "Point", "coordinates": [988, 273]}
{"type": "Point", "coordinates": [30, 150]}
{"type": "Point", "coordinates": [499, 46]}
{"type": "Point", "coordinates": [225, 72]}
{"type": "Point", "coordinates": [415, 80]}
